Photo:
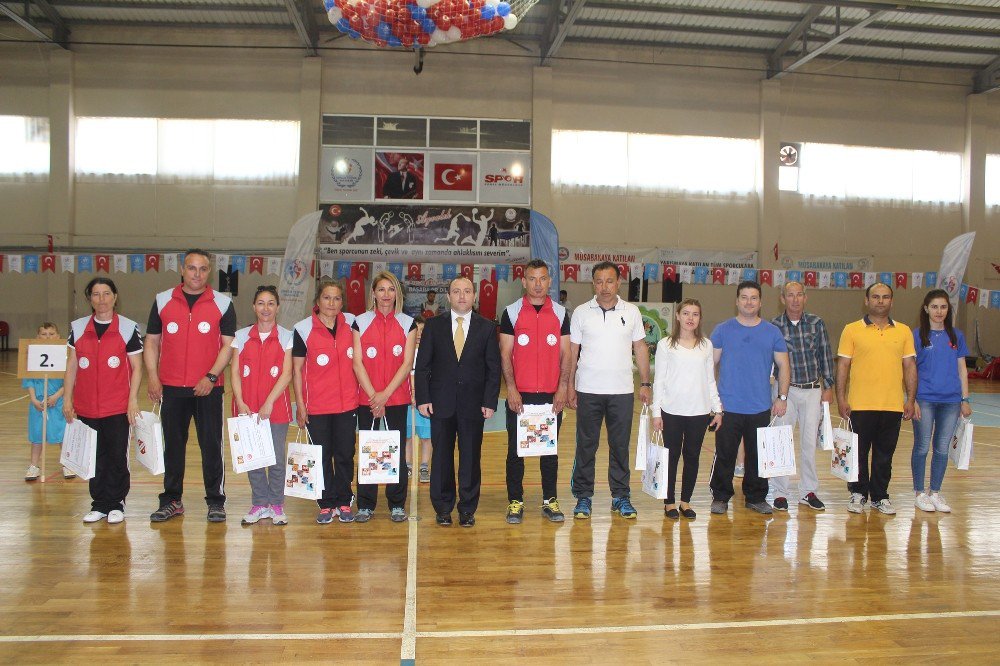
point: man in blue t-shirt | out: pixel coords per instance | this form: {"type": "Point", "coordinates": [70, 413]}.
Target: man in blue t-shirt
{"type": "Point", "coordinates": [746, 346]}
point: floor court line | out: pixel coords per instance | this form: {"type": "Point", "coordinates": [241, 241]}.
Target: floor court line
{"type": "Point", "coordinates": [23, 397]}
{"type": "Point", "coordinates": [485, 633]}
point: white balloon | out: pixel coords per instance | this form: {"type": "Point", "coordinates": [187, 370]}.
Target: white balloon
{"type": "Point", "coordinates": [492, 3]}
{"type": "Point", "coordinates": [439, 36]}
{"type": "Point", "coordinates": [455, 33]}
{"type": "Point", "coordinates": [431, 3]}
{"type": "Point", "coordinates": [509, 22]}
{"type": "Point", "coordinates": [335, 14]}
{"type": "Point", "coordinates": [424, 3]}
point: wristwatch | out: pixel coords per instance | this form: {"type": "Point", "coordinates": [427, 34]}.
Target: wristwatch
{"type": "Point", "coordinates": [782, 397]}
{"type": "Point", "coordinates": [646, 384]}
{"type": "Point", "coordinates": [212, 378]}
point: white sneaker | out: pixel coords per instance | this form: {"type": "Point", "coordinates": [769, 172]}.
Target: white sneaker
{"type": "Point", "coordinates": [939, 503]}
{"type": "Point", "coordinates": [256, 514]}
{"type": "Point", "coordinates": [116, 517]}
{"type": "Point", "coordinates": [884, 506]}
{"type": "Point", "coordinates": [857, 503]}
{"type": "Point", "coordinates": [68, 473]}
{"type": "Point", "coordinates": [924, 503]}
{"type": "Point", "coordinates": [94, 516]}
{"type": "Point", "coordinates": [33, 473]}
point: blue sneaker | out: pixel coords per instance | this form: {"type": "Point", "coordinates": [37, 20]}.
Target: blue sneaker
{"type": "Point", "coordinates": [582, 510]}
{"type": "Point", "coordinates": [623, 507]}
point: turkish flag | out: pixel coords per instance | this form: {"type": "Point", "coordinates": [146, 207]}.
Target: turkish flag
{"type": "Point", "coordinates": [1, 263]}
{"type": "Point", "coordinates": [718, 275]}
{"type": "Point", "coordinates": [312, 268]}
{"type": "Point", "coordinates": [810, 278]}
{"type": "Point", "coordinates": [257, 265]}
{"type": "Point", "coordinates": [901, 280]}
{"type": "Point", "coordinates": [467, 270]}
{"type": "Point", "coordinates": [623, 271]}
{"type": "Point", "coordinates": [456, 177]}
{"type": "Point", "coordinates": [49, 263]}
{"type": "Point", "coordinates": [972, 295]}
{"type": "Point", "coordinates": [570, 272]}
{"type": "Point", "coordinates": [103, 262]}
{"type": "Point", "coordinates": [766, 276]}
{"type": "Point", "coordinates": [153, 262]}
{"type": "Point", "coordinates": [670, 272]}
{"type": "Point", "coordinates": [857, 280]}
{"type": "Point", "coordinates": [488, 298]}
{"type": "Point", "coordinates": [412, 271]}
{"type": "Point", "coordinates": [360, 270]}
{"type": "Point", "coordinates": [356, 296]}
{"type": "Point", "coordinates": [518, 271]}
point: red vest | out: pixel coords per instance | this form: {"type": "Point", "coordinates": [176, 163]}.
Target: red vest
{"type": "Point", "coordinates": [190, 340]}
{"type": "Point", "coordinates": [328, 380]}
{"type": "Point", "coordinates": [383, 345]}
{"type": "Point", "coordinates": [104, 374]}
{"type": "Point", "coordinates": [260, 367]}
{"type": "Point", "coordinates": [536, 345]}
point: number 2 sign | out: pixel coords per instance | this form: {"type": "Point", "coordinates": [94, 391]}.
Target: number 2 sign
{"type": "Point", "coordinates": [39, 357]}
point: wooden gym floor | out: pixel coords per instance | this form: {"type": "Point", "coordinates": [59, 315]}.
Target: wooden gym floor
{"type": "Point", "coordinates": [826, 587]}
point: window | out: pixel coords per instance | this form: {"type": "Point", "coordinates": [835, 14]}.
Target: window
{"type": "Point", "coordinates": [993, 180]}
{"type": "Point", "coordinates": [875, 174]}
{"type": "Point", "coordinates": [24, 148]}
{"type": "Point", "coordinates": [259, 152]}
{"type": "Point", "coordinates": [619, 162]}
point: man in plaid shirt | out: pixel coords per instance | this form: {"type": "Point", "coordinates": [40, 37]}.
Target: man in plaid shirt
{"type": "Point", "coordinates": [811, 361]}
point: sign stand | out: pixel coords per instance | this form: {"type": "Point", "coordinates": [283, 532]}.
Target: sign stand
{"type": "Point", "coordinates": [40, 358]}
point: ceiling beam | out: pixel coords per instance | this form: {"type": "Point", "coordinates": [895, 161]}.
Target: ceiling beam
{"type": "Point", "coordinates": [60, 33]}
{"type": "Point", "coordinates": [988, 79]}
{"type": "Point", "coordinates": [778, 71]}
{"type": "Point", "coordinates": [914, 7]}
{"type": "Point", "coordinates": [796, 33]}
{"type": "Point", "coordinates": [300, 21]}
{"type": "Point", "coordinates": [552, 46]}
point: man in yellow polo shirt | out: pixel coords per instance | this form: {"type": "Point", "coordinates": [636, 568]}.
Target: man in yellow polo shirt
{"type": "Point", "coordinates": [876, 358]}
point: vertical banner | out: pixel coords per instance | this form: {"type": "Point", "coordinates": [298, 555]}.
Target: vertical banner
{"type": "Point", "coordinates": [294, 284]}
{"type": "Point", "coordinates": [954, 260]}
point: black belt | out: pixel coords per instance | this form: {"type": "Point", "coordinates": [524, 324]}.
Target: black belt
{"type": "Point", "coordinates": [811, 385]}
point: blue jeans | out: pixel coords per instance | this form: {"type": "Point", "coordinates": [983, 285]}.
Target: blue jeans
{"type": "Point", "coordinates": [942, 419]}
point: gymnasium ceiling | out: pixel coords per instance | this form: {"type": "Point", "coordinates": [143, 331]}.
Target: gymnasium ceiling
{"type": "Point", "coordinates": [785, 34]}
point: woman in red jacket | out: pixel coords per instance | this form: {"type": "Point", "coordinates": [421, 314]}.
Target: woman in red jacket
{"type": "Point", "coordinates": [326, 395]}
{"type": "Point", "coordinates": [384, 340]}
{"type": "Point", "coordinates": [103, 372]}
{"type": "Point", "coordinates": [261, 371]}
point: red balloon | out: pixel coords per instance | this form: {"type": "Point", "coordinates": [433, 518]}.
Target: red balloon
{"type": "Point", "coordinates": [444, 22]}
{"type": "Point", "coordinates": [406, 40]}
{"type": "Point", "coordinates": [381, 43]}
{"type": "Point", "coordinates": [404, 14]}
{"type": "Point", "coordinates": [423, 38]}
{"type": "Point", "coordinates": [349, 12]}
{"type": "Point", "coordinates": [390, 15]}
{"type": "Point", "coordinates": [364, 9]}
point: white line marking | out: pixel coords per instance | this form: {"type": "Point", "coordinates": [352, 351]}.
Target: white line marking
{"type": "Point", "coordinates": [23, 397]}
{"type": "Point", "coordinates": [103, 638]}
{"type": "Point", "coordinates": [408, 649]}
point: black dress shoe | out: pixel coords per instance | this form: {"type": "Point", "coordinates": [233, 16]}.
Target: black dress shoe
{"type": "Point", "coordinates": [673, 514]}
{"type": "Point", "coordinates": [689, 513]}
{"type": "Point", "coordinates": [444, 519]}
{"type": "Point", "coordinates": [466, 519]}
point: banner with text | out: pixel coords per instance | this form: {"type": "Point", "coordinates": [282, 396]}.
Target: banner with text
{"type": "Point", "coordinates": [823, 262]}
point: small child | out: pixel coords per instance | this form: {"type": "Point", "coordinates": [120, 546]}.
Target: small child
{"type": "Point", "coordinates": [52, 404]}
{"type": "Point", "coordinates": [423, 424]}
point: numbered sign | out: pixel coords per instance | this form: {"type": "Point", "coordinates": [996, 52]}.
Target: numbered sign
{"type": "Point", "coordinates": [40, 357]}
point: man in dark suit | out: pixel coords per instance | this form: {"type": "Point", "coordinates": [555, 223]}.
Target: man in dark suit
{"type": "Point", "coordinates": [457, 382]}
{"type": "Point", "coordinates": [401, 184]}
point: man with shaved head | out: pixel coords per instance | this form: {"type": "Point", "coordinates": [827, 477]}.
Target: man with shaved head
{"type": "Point", "coordinates": [812, 384]}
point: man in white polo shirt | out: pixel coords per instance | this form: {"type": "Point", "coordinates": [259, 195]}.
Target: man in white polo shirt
{"type": "Point", "coordinates": [603, 334]}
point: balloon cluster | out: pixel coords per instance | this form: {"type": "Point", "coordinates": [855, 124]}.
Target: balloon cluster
{"type": "Point", "coordinates": [417, 23]}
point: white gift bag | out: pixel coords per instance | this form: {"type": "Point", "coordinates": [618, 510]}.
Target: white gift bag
{"type": "Point", "coordinates": [642, 439]}
{"type": "Point", "coordinates": [844, 459]}
{"type": "Point", "coordinates": [148, 435]}
{"type": "Point", "coordinates": [304, 468]}
{"type": "Point", "coordinates": [537, 429]}
{"type": "Point", "coordinates": [250, 442]}
{"type": "Point", "coordinates": [960, 451]}
{"type": "Point", "coordinates": [79, 449]}
{"type": "Point", "coordinates": [378, 455]}
{"type": "Point", "coordinates": [654, 477]}
{"type": "Point", "coordinates": [824, 439]}
{"type": "Point", "coordinates": [775, 451]}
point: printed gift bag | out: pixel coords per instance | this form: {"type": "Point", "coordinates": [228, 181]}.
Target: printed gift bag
{"type": "Point", "coordinates": [642, 440]}
{"type": "Point", "coordinates": [537, 430]}
{"type": "Point", "coordinates": [654, 477]}
{"type": "Point", "coordinates": [960, 451]}
{"type": "Point", "coordinates": [844, 459]}
{"type": "Point", "coordinates": [824, 440]}
{"type": "Point", "coordinates": [79, 449]}
{"type": "Point", "coordinates": [378, 455]}
{"type": "Point", "coordinates": [250, 442]}
{"type": "Point", "coordinates": [304, 468]}
{"type": "Point", "coordinates": [148, 435]}
{"type": "Point", "coordinates": [775, 451]}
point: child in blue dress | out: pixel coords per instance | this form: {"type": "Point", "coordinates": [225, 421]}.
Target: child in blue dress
{"type": "Point", "coordinates": [52, 404]}
{"type": "Point", "coordinates": [422, 426]}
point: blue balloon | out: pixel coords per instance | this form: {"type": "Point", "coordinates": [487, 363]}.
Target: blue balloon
{"type": "Point", "coordinates": [487, 12]}
{"type": "Point", "coordinates": [418, 13]}
{"type": "Point", "coordinates": [343, 25]}
{"type": "Point", "coordinates": [394, 41]}
{"type": "Point", "coordinates": [353, 34]}
{"type": "Point", "coordinates": [503, 9]}
{"type": "Point", "coordinates": [428, 25]}
{"type": "Point", "coordinates": [328, 4]}
{"type": "Point", "coordinates": [384, 30]}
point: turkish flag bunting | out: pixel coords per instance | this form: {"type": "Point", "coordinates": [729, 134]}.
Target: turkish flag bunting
{"type": "Point", "coordinates": [766, 276]}
{"type": "Point", "coordinates": [103, 262]}
{"type": "Point", "coordinates": [901, 280]}
{"type": "Point", "coordinates": [312, 268]}
{"type": "Point", "coordinates": [49, 263]}
{"type": "Point", "coordinates": [412, 271]}
{"type": "Point", "coordinates": [360, 270]}
{"type": "Point", "coordinates": [257, 265]}
{"type": "Point", "coordinates": [857, 280]}
{"type": "Point", "coordinates": [972, 295]}
{"type": "Point", "coordinates": [356, 296]}
{"type": "Point", "coordinates": [467, 270]}
{"type": "Point", "coordinates": [153, 262]}
{"type": "Point", "coordinates": [623, 271]}
{"type": "Point", "coordinates": [518, 271]}
{"type": "Point", "coordinates": [570, 272]}
{"type": "Point", "coordinates": [670, 272]}
{"type": "Point", "coordinates": [718, 275]}
{"type": "Point", "coordinates": [810, 278]}
{"type": "Point", "coordinates": [488, 298]}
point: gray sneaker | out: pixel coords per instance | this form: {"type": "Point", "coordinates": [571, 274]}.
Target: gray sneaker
{"type": "Point", "coordinates": [397, 514]}
{"type": "Point", "coordinates": [760, 507]}
{"type": "Point", "coordinates": [425, 474]}
{"type": "Point", "coordinates": [167, 511]}
{"type": "Point", "coordinates": [363, 515]}
{"type": "Point", "coordinates": [884, 506]}
{"type": "Point", "coordinates": [216, 513]}
{"type": "Point", "coordinates": [720, 506]}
